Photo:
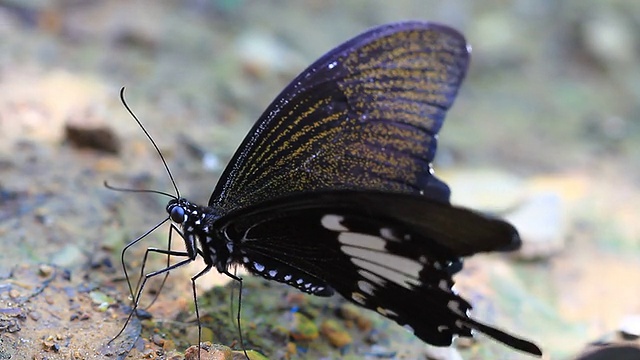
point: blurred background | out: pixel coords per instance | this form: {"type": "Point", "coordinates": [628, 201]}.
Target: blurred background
{"type": "Point", "coordinates": [545, 131]}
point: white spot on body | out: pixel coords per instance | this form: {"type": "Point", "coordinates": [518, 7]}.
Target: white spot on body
{"type": "Point", "coordinates": [357, 297]}
{"type": "Point", "coordinates": [366, 287]}
{"type": "Point", "coordinates": [454, 306]}
{"type": "Point", "coordinates": [332, 65]}
{"type": "Point", "coordinates": [197, 222]}
{"type": "Point", "coordinates": [409, 328]}
{"type": "Point", "coordinates": [387, 233]}
{"type": "Point", "coordinates": [363, 240]}
{"type": "Point", "coordinates": [273, 273]}
{"type": "Point", "coordinates": [287, 277]}
{"type": "Point", "coordinates": [332, 222]}
{"type": "Point", "coordinates": [299, 281]}
{"type": "Point", "coordinates": [258, 267]}
{"type": "Point", "coordinates": [320, 288]}
{"type": "Point", "coordinates": [245, 260]}
{"type": "Point", "coordinates": [386, 312]}
{"type": "Point", "coordinates": [444, 285]}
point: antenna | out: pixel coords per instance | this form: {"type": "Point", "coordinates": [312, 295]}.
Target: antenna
{"type": "Point", "coordinates": [164, 162]}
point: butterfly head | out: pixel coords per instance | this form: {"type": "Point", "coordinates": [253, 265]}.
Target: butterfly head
{"type": "Point", "coordinates": [188, 217]}
{"type": "Point", "coordinates": [181, 211]}
{"type": "Point", "coordinates": [176, 211]}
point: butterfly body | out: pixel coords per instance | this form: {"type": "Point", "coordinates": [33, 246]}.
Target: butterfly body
{"type": "Point", "coordinates": [332, 191]}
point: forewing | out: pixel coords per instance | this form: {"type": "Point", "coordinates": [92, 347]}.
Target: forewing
{"type": "Point", "coordinates": [376, 250]}
{"type": "Point", "coordinates": [364, 116]}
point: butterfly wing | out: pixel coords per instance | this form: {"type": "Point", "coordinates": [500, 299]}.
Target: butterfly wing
{"type": "Point", "coordinates": [364, 116]}
{"type": "Point", "coordinates": [389, 252]}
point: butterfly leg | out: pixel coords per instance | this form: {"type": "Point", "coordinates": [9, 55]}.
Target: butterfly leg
{"type": "Point", "coordinates": [149, 276]}
{"type": "Point", "coordinates": [166, 275]}
{"type": "Point", "coordinates": [127, 247]}
{"type": "Point", "coordinates": [195, 301]}
{"type": "Point", "coordinates": [239, 280]}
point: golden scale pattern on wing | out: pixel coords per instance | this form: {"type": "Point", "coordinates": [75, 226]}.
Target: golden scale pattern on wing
{"type": "Point", "coordinates": [371, 124]}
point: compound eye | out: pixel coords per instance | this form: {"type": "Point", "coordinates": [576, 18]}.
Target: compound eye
{"type": "Point", "coordinates": [177, 214]}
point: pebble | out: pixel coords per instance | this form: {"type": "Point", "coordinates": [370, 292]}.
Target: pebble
{"type": "Point", "coordinates": [336, 334]}
{"type": "Point", "coordinates": [209, 351]}
{"type": "Point", "coordinates": [35, 315]}
{"type": "Point", "coordinates": [45, 270]}
{"type": "Point", "coordinates": [89, 130]}
{"type": "Point", "coordinates": [158, 340]}
{"type": "Point", "coordinates": [14, 294]}
{"type": "Point", "coordinates": [303, 329]}
{"type": "Point", "coordinates": [351, 313]}
{"type": "Point", "coordinates": [101, 299]}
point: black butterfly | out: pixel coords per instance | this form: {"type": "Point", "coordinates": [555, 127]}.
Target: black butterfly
{"type": "Point", "coordinates": [333, 191]}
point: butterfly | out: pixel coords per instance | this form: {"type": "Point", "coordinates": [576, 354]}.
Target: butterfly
{"type": "Point", "coordinates": [333, 191]}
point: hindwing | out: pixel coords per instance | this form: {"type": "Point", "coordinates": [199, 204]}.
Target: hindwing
{"type": "Point", "coordinates": [392, 253]}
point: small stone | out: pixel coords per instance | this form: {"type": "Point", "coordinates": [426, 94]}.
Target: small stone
{"type": "Point", "coordinates": [14, 294]}
{"type": "Point", "coordinates": [88, 130]}
{"type": "Point", "coordinates": [48, 342]}
{"type": "Point", "coordinates": [45, 270]}
{"type": "Point", "coordinates": [352, 314]}
{"type": "Point", "coordinates": [303, 329]}
{"type": "Point", "coordinates": [208, 351]}
{"type": "Point", "coordinates": [292, 350]}
{"type": "Point", "coordinates": [101, 299]}
{"type": "Point", "coordinates": [35, 315]}
{"type": "Point", "coordinates": [157, 339]}
{"type": "Point", "coordinates": [348, 311]}
{"type": "Point", "coordinates": [336, 334]}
